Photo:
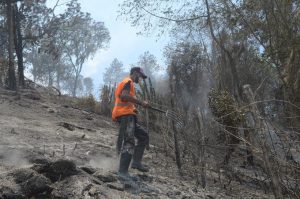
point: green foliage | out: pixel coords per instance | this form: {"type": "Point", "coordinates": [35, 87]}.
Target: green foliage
{"type": "Point", "coordinates": [224, 108]}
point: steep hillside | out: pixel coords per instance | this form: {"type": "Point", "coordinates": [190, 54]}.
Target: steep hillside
{"type": "Point", "coordinates": [50, 149]}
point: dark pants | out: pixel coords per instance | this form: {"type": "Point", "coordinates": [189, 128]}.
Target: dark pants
{"type": "Point", "coordinates": [129, 130]}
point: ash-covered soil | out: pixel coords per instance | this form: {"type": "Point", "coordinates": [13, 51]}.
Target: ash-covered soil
{"type": "Point", "coordinates": [49, 149]}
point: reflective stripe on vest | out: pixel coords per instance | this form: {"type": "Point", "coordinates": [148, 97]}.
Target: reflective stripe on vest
{"type": "Point", "coordinates": [123, 108]}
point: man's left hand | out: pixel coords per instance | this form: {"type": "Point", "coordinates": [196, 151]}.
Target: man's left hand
{"type": "Point", "coordinates": [145, 104]}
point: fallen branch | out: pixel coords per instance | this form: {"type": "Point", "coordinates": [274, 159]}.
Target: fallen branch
{"type": "Point", "coordinates": [71, 127]}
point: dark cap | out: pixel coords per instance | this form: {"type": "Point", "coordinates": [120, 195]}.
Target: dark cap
{"type": "Point", "coordinates": [139, 70]}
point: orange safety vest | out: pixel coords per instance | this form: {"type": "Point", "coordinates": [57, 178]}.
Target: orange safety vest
{"type": "Point", "coordinates": [122, 108]}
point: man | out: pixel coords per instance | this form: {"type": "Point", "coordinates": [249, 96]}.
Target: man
{"type": "Point", "coordinates": [124, 113]}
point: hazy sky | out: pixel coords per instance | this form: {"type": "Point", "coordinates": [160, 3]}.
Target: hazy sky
{"type": "Point", "coordinates": [125, 45]}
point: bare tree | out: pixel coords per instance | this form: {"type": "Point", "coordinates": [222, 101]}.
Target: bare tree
{"type": "Point", "coordinates": [114, 73]}
{"type": "Point", "coordinates": [88, 86]}
{"type": "Point", "coordinates": [11, 69]}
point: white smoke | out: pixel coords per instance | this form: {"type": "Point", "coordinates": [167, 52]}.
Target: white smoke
{"type": "Point", "coordinates": [103, 162]}
{"type": "Point", "coordinates": [13, 158]}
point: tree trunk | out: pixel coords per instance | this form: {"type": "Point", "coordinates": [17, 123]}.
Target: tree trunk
{"type": "Point", "coordinates": [200, 125]}
{"type": "Point", "coordinates": [58, 81]}
{"type": "Point", "coordinates": [176, 144]}
{"type": "Point", "coordinates": [18, 40]}
{"type": "Point", "coordinates": [50, 78]}
{"type": "Point", "coordinates": [175, 133]}
{"type": "Point", "coordinates": [146, 94]}
{"type": "Point", "coordinates": [11, 81]}
{"type": "Point", "coordinates": [58, 74]}
{"type": "Point", "coordinates": [75, 85]}
{"type": "Point", "coordinates": [292, 87]}
{"type": "Point", "coordinates": [228, 58]}
{"type": "Point", "coordinates": [261, 130]}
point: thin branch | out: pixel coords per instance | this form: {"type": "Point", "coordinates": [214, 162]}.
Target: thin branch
{"type": "Point", "coordinates": [169, 19]}
{"type": "Point", "coordinates": [261, 101]}
{"type": "Point", "coordinates": [243, 140]}
{"type": "Point", "coordinates": [56, 4]}
{"type": "Point", "coordinates": [260, 85]}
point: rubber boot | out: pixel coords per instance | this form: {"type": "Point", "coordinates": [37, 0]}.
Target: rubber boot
{"type": "Point", "coordinates": [137, 159]}
{"type": "Point", "coordinates": [125, 160]}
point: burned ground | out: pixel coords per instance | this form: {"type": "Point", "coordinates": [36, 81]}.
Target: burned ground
{"type": "Point", "coordinates": [50, 149]}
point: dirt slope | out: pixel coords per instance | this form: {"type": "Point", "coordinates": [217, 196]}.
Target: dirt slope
{"type": "Point", "coordinates": [49, 149]}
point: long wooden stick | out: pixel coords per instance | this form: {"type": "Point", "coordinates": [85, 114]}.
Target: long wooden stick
{"type": "Point", "coordinates": [147, 115]}
{"type": "Point", "coordinates": [157, 109]}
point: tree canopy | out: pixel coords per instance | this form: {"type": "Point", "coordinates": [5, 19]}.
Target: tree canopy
{"type": "Point", "coordinates": [55, 45]}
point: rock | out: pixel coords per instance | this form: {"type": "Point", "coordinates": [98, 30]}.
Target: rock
{"type": "Point", "coordinates": [33, 96]}
{"type": "Point", "coordinates": [95, 191]}
{"type": "Point", "coordinates": [89, 117]}
{"type": "Point", "coordinates": [186, 197]}
{"type": "Point", "coordinates": [116, 186]}
{"type": "Point", "coordinates": [45, 106]}
{"type": "Point", "coordinates": [57, 170]}
{"type": "Point", "coordinates": [89, 170]}
{"type": "Point", "coordinates": [106, 177]}
{"type": "Point", "coordinates": [31, 183]}
{"type": "Point", "coordinates": [42, 161]}
{"type": "Point", "coordinates": [36, 185]}
{"type": "Point", "coordinates": [173, 193]}
{"type": "Point", "coordinates": [58, 195]}
{"type": "Point", "coordinates": [8, 193]}
{"type": "Point", "coordinates": [209, 197]}
{"type": "Point", "coordinates": [145, 177]}
{"type": "Point", "coordinates": [51, 110]}
{"type": "Point", "coordinates": [68, 126]}
{"type": "Point", "coordinates": [72, 187]}
{"type": "Point", "coordinates": [21, 175]}
{"type": "Point", "coordinates": [13, 131]}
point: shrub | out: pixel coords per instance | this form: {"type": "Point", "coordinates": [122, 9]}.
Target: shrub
{"type": "Point", "coordinates": [88, 103]}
